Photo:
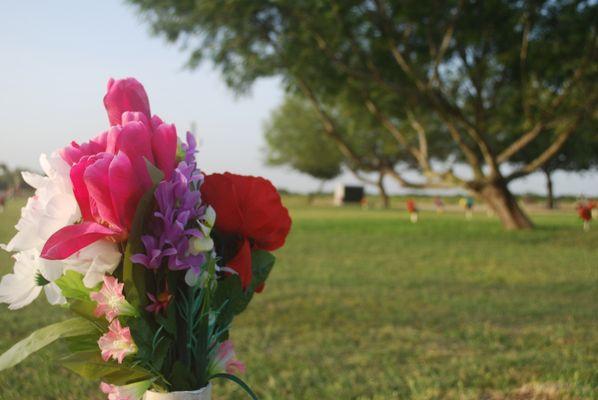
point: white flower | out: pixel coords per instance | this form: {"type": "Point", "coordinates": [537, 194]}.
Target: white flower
{"type": "Point", "coordinates": [52, 207]}
{"type": "Point", "coordinates": [94, 261]}
{"type": "Point", "coordinates": [207, 222]}
{"type": "Point", "coordinates": [23, 286]}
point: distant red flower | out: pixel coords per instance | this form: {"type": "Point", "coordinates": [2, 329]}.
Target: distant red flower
{"type": "Point", "coordinates": [411, 208]}
{"type": "Point", "coordinates": [251, 209]}
{"type": "Point", "coordinates": [585, 211]}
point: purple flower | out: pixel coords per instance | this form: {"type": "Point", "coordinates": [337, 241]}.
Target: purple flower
{"type": "Point", "coordinates": [179, 206]}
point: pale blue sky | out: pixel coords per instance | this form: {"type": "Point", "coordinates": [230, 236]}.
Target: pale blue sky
{"type": "Point", "coordinates": [55, 60]}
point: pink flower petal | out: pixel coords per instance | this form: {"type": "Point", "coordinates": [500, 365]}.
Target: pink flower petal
{"type": "Point", "coordinates": [125, 95]}
{"type": "Point", "coordinates": [124, 189]}
{"type": "Point", "coordinates": [73, 238]}
{"type": "Point", "coordinates": [98, 184]}
{"type": "Point", "coordinates": [134, 139]}
{"type": "Point", "coordinates": [80, 189]}
{"type": "Point", "coordinates": [164, 144]}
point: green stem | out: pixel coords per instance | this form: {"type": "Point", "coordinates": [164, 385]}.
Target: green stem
{"type": "Point", "coordinates": [238, 381]}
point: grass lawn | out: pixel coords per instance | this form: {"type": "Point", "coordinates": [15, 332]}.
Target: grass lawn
{"type": "Point", "coordinates": [365, 305]}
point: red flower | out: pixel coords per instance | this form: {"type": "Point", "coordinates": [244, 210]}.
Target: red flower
{"type": "Point", "coordinates": [585, 211]}
{"type": "Point", "coordinates": [251, 209]}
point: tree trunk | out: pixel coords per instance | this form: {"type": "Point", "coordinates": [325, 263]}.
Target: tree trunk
{"type": "Point", "coordinates": [504, 204]}
{"type": "Point", "coordinates": [382, 190]}
{"type": "Point", "coordinates": [549, 191]}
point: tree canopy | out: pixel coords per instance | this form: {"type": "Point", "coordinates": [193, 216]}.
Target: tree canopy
{"type": "Point", "coordinates": [490, 77]}
{"type": "Point", "coordinates": [293, 137]}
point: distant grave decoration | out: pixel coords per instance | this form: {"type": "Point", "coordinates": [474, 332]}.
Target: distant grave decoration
{"type": "Point", "coordinates": [412, 210]}
{"type": "Point", "coordinates": [585, 212]}
{"type": "Point", "coordinates": [348, 194]}
{"type": "Point", "coordinates": [467, 204]}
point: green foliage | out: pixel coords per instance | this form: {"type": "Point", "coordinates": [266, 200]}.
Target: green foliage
{"type": "Point", "coordinates": [230, 299]}
{"type": "Point", "coordinates": [294, 137]}
{"type": "Point", "coordinates": [154, 172]}
{"type": "Point", "coordinates": [72, 287]}
{"type": "Point", "coordinates": [238, 381]}
{"type": "Point", "coordinates": [42, 338]}
{"type": "Point", "coordinates": [89, 365]}
{"type": "Point", "coordinates": [134, 276]}
{"type": "Point", "coordinates": [262, 263]}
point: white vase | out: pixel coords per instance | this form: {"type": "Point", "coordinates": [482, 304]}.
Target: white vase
{"type": "Point", "coordinates": [204, 393]}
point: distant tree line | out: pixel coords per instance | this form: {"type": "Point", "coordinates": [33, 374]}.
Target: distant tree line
{"type": "Point", "coordinates": [11, 180]}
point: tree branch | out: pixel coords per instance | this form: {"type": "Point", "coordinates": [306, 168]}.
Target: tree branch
{"type": "Point", "coordinates": [548, 153]}
{"type": "Point", "coordinates": [330, 126]}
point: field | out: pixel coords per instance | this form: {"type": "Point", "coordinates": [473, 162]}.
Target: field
{"type": "Point", "coordinates": [363, 304]}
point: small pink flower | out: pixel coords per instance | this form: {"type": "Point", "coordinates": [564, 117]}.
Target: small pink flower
{"type": "Point", "coordinates": [225, 360]}
{"type": "Point", "coordinates": [160, 301]}
{"type": "Point", "coordinates": [111, 301]}
{"type": "Point", "coordinates": [133, 391]}
{"type": "Point", "coordinates": [117, 343]}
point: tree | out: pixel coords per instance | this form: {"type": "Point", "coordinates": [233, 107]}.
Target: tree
{"type": "Point", "coordinates": [580, 153]}
{"type": "Point", "coordinates": [497, 74]}
{"type": "Point", "coordinates": [294, 137]}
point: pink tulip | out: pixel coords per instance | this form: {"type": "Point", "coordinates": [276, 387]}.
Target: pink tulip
{"type": "Point", "coordinates": [107, 189]}
{"type": "Point", "coordinates": [109, 173]}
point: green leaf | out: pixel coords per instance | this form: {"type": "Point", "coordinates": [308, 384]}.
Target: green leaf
{"type": "Point", "coordinates": [181, 378]}
{"type": "Point", "coordinates": [89, 365]}
{"type": "Point", "coordinates": [160, 352]}
{"type": "Point", "coordinates": [229, 299]}
{"type": "Point", "coordinates": [261, 265]}
{"type": "Point", "coordinates": [43, 337]}
{"type": "Point", "coordinates": [141, 331]}
{"type": "Point", "coordinates": [85, 309]}
{"type": "Point", "coordinates": [155, 173]}
{"type": "Point", "coordinates": [168, 322]}
{"type": "Point", "coordinates": [134, 274]}
{"type": "Point", "coordinates": [127, 375]}
{"type": "Point", "coordinates": [83, 343]}
{"type": "Point", "coordinates": [238, 381]}
{"type": "Point", "coordinates": [72, 287]}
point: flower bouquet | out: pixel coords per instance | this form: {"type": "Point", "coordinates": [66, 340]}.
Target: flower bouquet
{"type": "Point", "coordinates": [153, 258]}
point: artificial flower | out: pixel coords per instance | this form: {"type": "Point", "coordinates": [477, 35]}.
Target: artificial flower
{"type": "Point", "coordinates": [101, 171]}
{"type": "Point", "coordinates": [26, 282]}
{"type": "Point", "coordinates": [51, 208]}
{"type": "Point", "coordinates": [159, 302]}
{"type": "Point", "coordinates": [250, 208]}
{"type": "Point", "coordinates": [179, 207]}
{"type": "Point", "coordinates": [111, 300]}
{"type": "Point", "coordinates": [225, 360]}
{"type": "Point", "coordinates": [132, 391]}
{"type": "Point", "coordinates": [117, 343]}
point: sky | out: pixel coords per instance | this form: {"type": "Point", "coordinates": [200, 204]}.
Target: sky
{"type": "Point", "coordinates": [57, 56]}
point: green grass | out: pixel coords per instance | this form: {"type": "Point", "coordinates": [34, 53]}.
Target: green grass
{"type": "Point", "coordinates": [365, 305]}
